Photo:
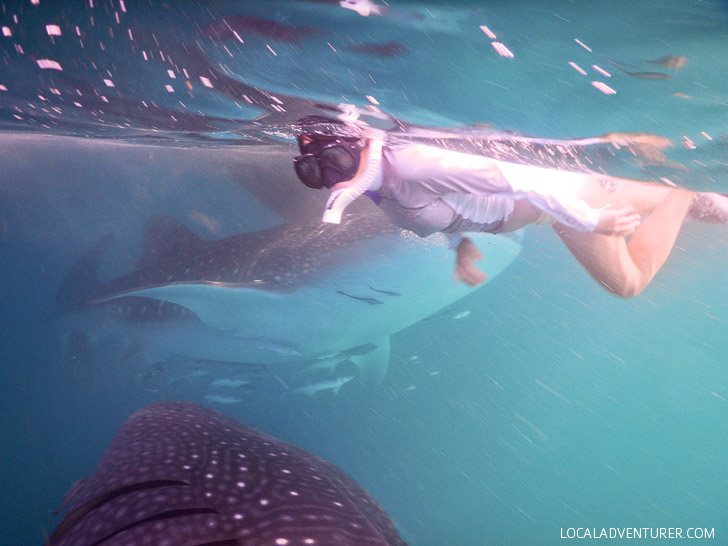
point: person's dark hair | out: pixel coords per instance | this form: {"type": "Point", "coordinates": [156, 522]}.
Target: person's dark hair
{"type": "Point", "coordinates": [316, 125]}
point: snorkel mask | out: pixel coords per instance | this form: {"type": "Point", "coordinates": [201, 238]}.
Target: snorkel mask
{"type": "Point", "coordinates": [327, 160]}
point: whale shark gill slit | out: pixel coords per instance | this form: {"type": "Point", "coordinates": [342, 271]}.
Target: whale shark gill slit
{"type": "Point", "coordinates": [72, 518]}
{"type": "Point", "coordinates": [157, 517]}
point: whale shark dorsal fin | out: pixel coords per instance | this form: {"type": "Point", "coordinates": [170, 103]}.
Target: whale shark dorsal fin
{"type": "Point", "coordinates": [164, 237]}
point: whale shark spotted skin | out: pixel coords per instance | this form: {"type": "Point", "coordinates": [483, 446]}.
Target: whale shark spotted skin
{"type": "Point", "coordinates": [181, 474]}
{"type": "Point", "coordinates": [296, 292]}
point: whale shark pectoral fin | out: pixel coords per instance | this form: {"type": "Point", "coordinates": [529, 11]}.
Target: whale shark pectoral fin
{"type": "Point", "coordinates": [217, 304]}
{"type": "Point", "coordinates": [373, 365]}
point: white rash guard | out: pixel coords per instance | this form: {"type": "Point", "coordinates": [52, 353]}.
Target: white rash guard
{"type": "Point", "coordinates": [427, 189]}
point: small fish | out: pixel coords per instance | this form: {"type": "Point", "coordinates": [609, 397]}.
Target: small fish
{"type": "Point", "coordinates": [433, 373]}
{"type": "Point", "coordinates": [224, 382]}
{"type": "Point", "coordinates": [461, 315]}
{"type": "Point", "coordinates": [274, 346]}
{"type": "Point", "coordinates": [222, 399]}
{"type": "Point", "coordinates": [409, 389]}
{"type": "Point", "coordinates": [247, 366]}
{"type": "Point", "coordinates": [328, 385]}
{"type": "Point", "coordinates": [370, 301]}
{"type": "Point", "coordinates": [412, 359]}
{"type": "Point", "coordinates": [328, 365]}
{"type": "Point", "coordinates": [387, 292]}
{"type": "Point", "coordinates": [648, 75]}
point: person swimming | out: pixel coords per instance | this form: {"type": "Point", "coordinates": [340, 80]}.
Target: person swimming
{"type": "Point", "coordinates": [428, 189]}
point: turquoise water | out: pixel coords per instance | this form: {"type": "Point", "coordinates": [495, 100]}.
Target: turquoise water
{"type": "Point", "coordinates": [550, 406]}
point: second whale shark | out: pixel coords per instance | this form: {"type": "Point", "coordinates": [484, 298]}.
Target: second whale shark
{"type": "Point", "coordinates": [297, 292]}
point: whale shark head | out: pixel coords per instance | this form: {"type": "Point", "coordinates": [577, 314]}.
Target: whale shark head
{"type": "Point", "coordinates": [178, 473]}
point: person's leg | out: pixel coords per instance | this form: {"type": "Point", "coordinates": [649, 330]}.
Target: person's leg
{"type": "Point", "coordinates": [626, 268]}
{"type": "Point", "coordinates": [708, 207]}
{"type": "Point", "coordinates": [615, 192]}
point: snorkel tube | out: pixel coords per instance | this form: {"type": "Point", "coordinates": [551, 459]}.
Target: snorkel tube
{"type": "Point", "coordinates": [370, 179]}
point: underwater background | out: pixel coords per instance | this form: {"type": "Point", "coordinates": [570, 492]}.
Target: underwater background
{"type": "Point", "coordinates": [534, 404]}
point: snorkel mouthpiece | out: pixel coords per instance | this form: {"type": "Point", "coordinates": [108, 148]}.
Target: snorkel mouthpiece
{"type": "Point", "coordinates": [370, 179]}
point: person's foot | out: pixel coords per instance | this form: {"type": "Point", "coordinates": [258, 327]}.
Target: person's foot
{"type": "Point", "coordinates": [709, 207]}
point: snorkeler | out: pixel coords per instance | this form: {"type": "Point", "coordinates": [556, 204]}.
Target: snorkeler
{"type": "Point", "coordinates": [427, 189]}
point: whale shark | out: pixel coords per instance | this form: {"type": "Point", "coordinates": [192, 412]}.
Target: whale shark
{"type": "Point", "coordinates": [179, 473]}
{"type": "Point", "coordinates": [299, 292]}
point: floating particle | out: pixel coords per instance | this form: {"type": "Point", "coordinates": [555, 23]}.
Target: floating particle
{"type": "Point", "coordinates": [582, 44]}
{"type": "Point", "coordinates": [171, 74]}
{"type": "Point", "coordinates": [488, 32]}
{"type": "Point", "coordinates": [206, 81]}
{"type": "Point", "coordinates": [501, 49]}
{"type": "Point", "coordinates": [706, 135]}
{"type": "Point", "coordinates": [461, 315]}
{"type": "Point", "coordinates": [601, 71]}
{"type": "Point", "coordinates": [237, 37]}
{"type": "Point", "coordinates": [48, 64]}
{"type": "Point", "coordinates": [7, 31]}
{"type": "Point", "coordinates": [579, 69]}
{"type": "Point", "coordinates": [169, 88]}
{"type": "Point", "coordinates": [108, 82]}
{"type": "Point", "coordinates": [35, 2]}
{"type": "Point", "coordinates": [53, 30]}
{"type": "Point", "coordinates": [3, 88]}
{"type": "Point", "coordinates": [688, 144]}
{"type": "Point", "coordinates": [372, 100]}
{"type": "Point", "coordinates": [604, 88]}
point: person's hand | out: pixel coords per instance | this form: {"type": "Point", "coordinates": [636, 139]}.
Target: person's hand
{"type": "Point", "coordinates": [620, 222]}
{"type": "Point", "coordinates": [465, 268]}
